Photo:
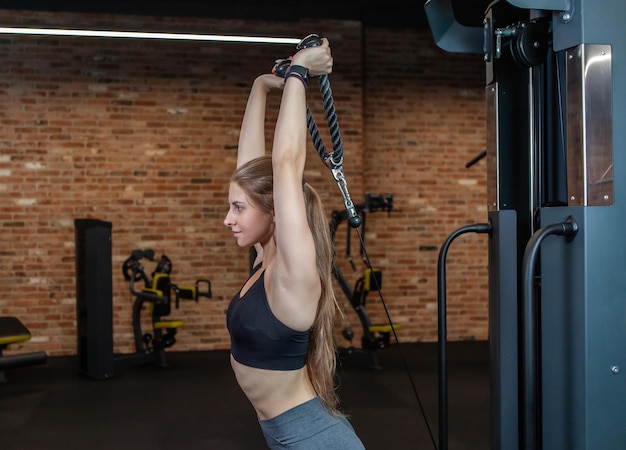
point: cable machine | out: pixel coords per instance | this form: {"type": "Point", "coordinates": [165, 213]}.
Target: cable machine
{"type": "Point", "coordinates": [556, 122]}
{"type": "Point", "coordinates": [374, 337]}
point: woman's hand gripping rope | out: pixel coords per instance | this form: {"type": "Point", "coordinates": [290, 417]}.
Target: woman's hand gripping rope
{"type": "Point", "coordinates": [333, 160]}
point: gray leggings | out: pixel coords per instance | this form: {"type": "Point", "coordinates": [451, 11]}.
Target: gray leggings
{"type": "Point", "coordinates": [310, 426]}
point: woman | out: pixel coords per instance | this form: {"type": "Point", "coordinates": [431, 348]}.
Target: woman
{"type": "Point", "coordinates": [281, 321]}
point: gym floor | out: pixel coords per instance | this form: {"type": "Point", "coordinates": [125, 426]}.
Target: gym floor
{"type": "Point", "coordinates": [195, 403]}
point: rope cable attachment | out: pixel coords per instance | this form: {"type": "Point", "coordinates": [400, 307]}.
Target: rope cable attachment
{"type": "Point", "coordinates": [334, 159]}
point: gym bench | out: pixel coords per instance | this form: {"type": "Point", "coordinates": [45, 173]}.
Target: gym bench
{"type": "Point", "coordinates": [12, 331]}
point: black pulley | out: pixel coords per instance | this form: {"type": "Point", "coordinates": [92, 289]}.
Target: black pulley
{"type": "Point", "coordinates": [530, 44]}
{"type": "Point", "coordinates": [130, 269]}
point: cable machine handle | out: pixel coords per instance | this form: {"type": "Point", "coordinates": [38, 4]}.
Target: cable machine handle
{"type": "Point", "coordinates": [333, 160]}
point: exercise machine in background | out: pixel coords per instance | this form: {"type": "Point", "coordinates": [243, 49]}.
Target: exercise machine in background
{"type": "Point", "coordinates": [94, 303]}
{"type": "Point", "coordinates": [374, 337]}
{"type": "Point", "coordinates": [13, 331]}
{"type": "Point", "coordinates": [158, 294]}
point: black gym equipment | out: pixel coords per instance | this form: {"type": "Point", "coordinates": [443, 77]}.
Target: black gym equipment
{"type": "Point", "coordinates": [13, 331]}
{"type": "Point", "coordinates": [156, 294]}
{"type": "Point", "coordinates": [556, 121]}
{"type": "Point", "coordinates": [94, 303]}
{"type": "Point", "coordinates": [374, 336]}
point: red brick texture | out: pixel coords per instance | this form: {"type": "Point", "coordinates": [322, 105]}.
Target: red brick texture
{"type": "Point", "coordinates": [143, 134]}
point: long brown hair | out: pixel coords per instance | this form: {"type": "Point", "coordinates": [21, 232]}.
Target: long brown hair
{"type": "Point", "coordinates": [256, 180]}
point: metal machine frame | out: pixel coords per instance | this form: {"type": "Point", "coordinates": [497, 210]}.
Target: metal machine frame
{"type": "Point", "coordinates": [556, 121]}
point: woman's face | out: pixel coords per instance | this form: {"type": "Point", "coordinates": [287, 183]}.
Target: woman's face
{"type": "Point", "coordinates": [249, 224]}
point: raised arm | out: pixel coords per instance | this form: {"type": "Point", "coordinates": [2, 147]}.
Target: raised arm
{"type": "Point", "coordinates": [252, 133]}
{"type": "Point", "coordinates": [295, 274]}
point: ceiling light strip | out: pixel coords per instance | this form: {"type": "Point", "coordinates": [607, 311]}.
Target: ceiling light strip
{"type": "Point", "coordinates": [146, 35]}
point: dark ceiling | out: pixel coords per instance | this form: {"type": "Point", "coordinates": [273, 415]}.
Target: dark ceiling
{"type": "Point", "coordinates": [386, 13]}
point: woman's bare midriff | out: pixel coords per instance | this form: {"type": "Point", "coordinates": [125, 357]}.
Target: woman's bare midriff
{"type": "Point", "coordinates": [272, 392]}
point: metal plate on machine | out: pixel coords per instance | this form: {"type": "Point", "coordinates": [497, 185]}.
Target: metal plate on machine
{"type": "Point", "coordinates": [493, 182]}
{"type": "Point", "coordinates": [589, 126]}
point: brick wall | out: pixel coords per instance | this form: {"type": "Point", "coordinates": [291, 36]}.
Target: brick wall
{"type": "Point", "coordinates": [143, 134]}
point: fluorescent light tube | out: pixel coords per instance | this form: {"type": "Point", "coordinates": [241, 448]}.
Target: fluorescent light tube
{"type": "Point", "coordinates": [146, 35]}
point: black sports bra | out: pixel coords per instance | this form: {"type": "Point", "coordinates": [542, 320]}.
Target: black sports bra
{"type": "Point", "coordinates": [257, 338]}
